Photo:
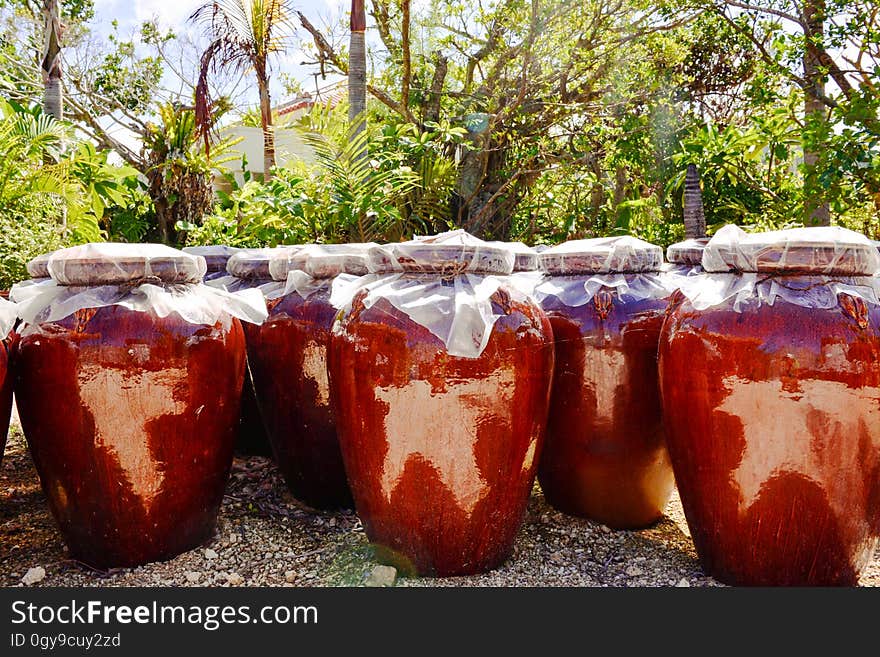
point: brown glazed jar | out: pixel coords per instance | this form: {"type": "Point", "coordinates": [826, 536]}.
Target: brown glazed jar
{"type": "Point", "coordinates": [441, 448]}
{"type": "Point", "coordinates": [130, 414]}
{"type": "Point", "coordinates": [288, 362]}
{"type": "Point", "coordinates": [8, 340]}
{"type": "Point", "coordinates": [250, 269]}
{"type": "Point", "coordinates": [771, 392]}
{"type": "Point", "coordinates": [605, 456]}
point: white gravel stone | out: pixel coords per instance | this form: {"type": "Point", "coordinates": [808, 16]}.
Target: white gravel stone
{"type": "Point", "coordinates": [382, 576]}
{"type": "Point", "coordinates": [33, 575]}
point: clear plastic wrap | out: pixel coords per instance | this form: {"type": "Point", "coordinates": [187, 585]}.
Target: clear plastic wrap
{"type": "Point", "coordinates": [24, 290]}
{"type": "Point", "coordinates": [685, 259]}
{"type": "Point", "coordinates": [254, 263]}
{"type": "Point", "coordinates": [39, 266]}
{"type": "Point", "coordinates": [447, 254]}
{"type": "Point", "coordinates": [458, 310]}
{"type": "Point", "coordinates": [602, 255]}
{"type": "Point", "coordinates": [824, 250]}
{"type": "Point", "coordinates": [109, 263]}
{"type": "Point", "coordinates": [810, 291]}
{"type": "Point", "coordinates": [688, 253]}
{"type": "Point", "coordinates": [194, 303]}
{"type": "Point", "coordinates": [326, 260]}
{"type": "Point", "coordinates": [626, 266]}
{"type": "Point", "coordinates": [577, 291]}
{"type": "Point", "coordinates": [525, 257]}
{"type": "Point", "coordinates": [8, 317]}
{"type": "Point", "coordinates": [216, 256]}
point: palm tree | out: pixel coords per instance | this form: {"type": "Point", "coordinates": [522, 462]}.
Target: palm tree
{"type": "Point", "coordinates": [51, 62]}
{"type": "Point", "coordinates": [243, 35]}
{"type": "Point", "coordinates": [357, 67]}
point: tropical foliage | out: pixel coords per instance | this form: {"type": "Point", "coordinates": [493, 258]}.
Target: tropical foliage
{"type": "Point", "coordinates": [515, 119]}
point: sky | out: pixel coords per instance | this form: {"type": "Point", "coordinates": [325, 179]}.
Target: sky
{"type": "Point", "coordinates": [173, 14]}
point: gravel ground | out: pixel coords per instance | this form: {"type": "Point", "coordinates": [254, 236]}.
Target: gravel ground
{"type": "Point", "coordinates": [264, 538]}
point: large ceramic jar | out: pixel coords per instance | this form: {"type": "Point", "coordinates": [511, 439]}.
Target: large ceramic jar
{"type": "Point", "coordinates": [248, 269]}
{"type": "Point", "coordinates": [8, 316]}
{"type": "Point", "coordinates": [771, 390]}
{"type": "Point", "coordinates": [288, 361]}
{"type": "Point", "coordinates": [441, 376]}
{"type": "Point", "coordinates": [128, 391]}
{"type": "Point", "coordinates": [605, 456]}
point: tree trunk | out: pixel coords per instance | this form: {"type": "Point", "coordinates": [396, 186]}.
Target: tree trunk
{"type": "Point", "coordinates": [268, 130]}
{"type": "Point", "coordinates": [357, 68]}
{"type": "Point", "coordinates": [692, 203]}
{"type": "Point", "coordinates": [51, 62]}
{"type": "Point", "coordinates": [816, 209]}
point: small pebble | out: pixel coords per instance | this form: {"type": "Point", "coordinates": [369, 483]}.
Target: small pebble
{"type": "Point", "coordinates": [210, 554]}
{"type": "Point", "coordinates": [234, 579]}
{"type": "Point", "coordinates": [33, 575]}
{"type": "Point", "coordinates": [193, 576]}
{"type": "Point", "coordinates": [381, 576]}
{"type": "Point", "coordinates": [683, 583]}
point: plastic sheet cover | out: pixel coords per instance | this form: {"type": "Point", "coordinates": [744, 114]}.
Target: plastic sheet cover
{"type": "Point", "coordinates": [39, 266]}
{"type": "Point", "coordinates": [448, 254]}
{"type": "Point", "coordinates": [8, 317]}
{"type": "Point", "coordinates": [109, 263]}
{"type": "Point", "coordinates": [254, 263]}
{"type": "Point", "coordinates": [444, 283]}
{"type": "Point", "coordinates": [626, 266]}
{"type": "Point", "coordinates": [810, 291]}
{"type": "Point", "coordinates": [685, 259]}
{"type": "Point", "coordinates": [808, 267]}
{"type": "Point", "coordinates": [602, 255]}
{"type": "Point", "coordinates": [327, 260]}
{"type": "Point", "coordinates": [216, 256]}
{"type": "Point", "coordinates": [821, 250]}
{"type": "Point", "coordinates": [194, 303]}
{"type": "Point", "coordinates": [577, 291]}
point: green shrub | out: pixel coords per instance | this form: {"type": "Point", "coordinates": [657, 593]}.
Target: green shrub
{"type": "Point", "coordinates": [27, 230]}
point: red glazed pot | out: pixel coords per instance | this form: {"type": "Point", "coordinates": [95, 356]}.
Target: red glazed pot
{"type": "Point", "coordinates": [605, 457]}
{"type": "Point", "coordinates": [131, 419]}
{"type": "Point", "coordinates": [7, 348]}
{"type": "Point", "coordinates": [773, 425]}
{"type": "Point", "coordinates": [251, 267]}
{"type": "Point", "coordinates": [440, 450]}
{"type": "Point", "coordinates": [288, 361]}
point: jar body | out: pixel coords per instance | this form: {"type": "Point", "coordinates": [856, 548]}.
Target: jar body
{"type": "Point", "coordinates": [773, 425]}
{"type": "Point", "coordinates": [131, 419]}
{"type": "Point", "coordinates": [288, 361]}
{"type": "Point", "coordinates": [252, 438]}
{"type": "Point", "coordinates": [605, 456]}
{"type": "Point", "coordinates": [7, 349]}
{"type": "Point", "coordinates": [441, 451]}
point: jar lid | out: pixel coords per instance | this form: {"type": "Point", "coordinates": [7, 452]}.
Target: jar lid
{"type": "Point", "coordinates": [39, 266]}
{"type": "Point", "coordinates": [689, 252]}
{"type": "Point", "coordinates": [216, 255]}
{"type": "Point", "coordinates": [820, 250]}
{"type": "Point", "coordinates": [451, 253]}
{"type": "Point", "coordinates": [525, 258]}
{"type": "Point", "coordinates": [324, 260]}
{"type": "Point", "coordinates": [111, 263]}
{"type": "Point", "coordinates": [602, 255]}
{"type": "Point", "coordinates": [254, 263]}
